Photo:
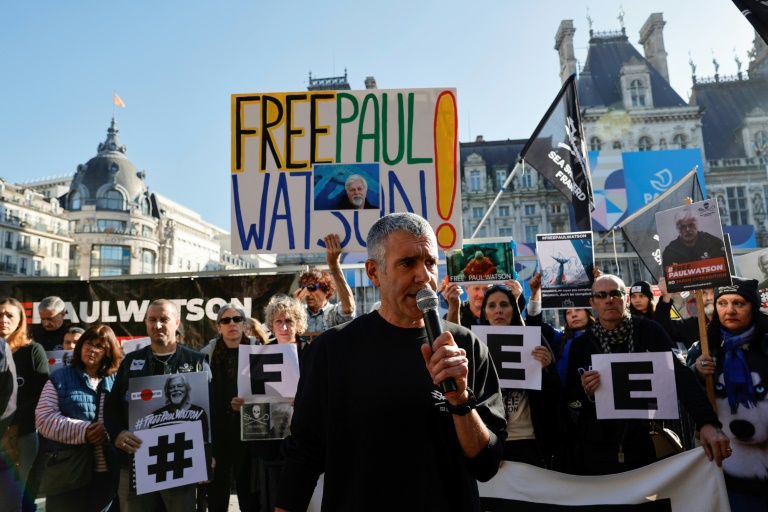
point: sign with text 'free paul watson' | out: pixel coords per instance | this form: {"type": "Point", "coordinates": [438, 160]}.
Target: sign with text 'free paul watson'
{"type": "Point", "coordinates": [639, 385]}
{"type": "Point", "coordinates": [511, 348]}
{"type": "Point", "coordinates": [265, 371]}
{"type": "Point", "coordinates": [310, 163]}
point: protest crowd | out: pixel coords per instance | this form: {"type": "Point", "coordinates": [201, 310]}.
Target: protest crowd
{"type": "Point", "coordinates": [481, 425]}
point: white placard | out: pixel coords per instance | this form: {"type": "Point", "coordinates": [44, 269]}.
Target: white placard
{"type": "Point", "coordinates": [135, 344]}
{"type": "Point", "coordinates": [170, 456]}
{"type": "Point", "coordinates": [267, 371]}
{"type": "Point", "coordinates": [511, 348]}
{"type": "Point", "coordinates": [640, 385]}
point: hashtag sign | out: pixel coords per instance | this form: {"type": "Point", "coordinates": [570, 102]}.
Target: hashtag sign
{"type": "Point", "coordinates": [177, 464]}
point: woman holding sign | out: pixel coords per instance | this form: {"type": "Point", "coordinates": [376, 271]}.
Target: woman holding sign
{"type": "Point", "coordinates": [737, 335]}
{"type": "Point", "coordinates": [231, 454]}
{"type": "Point", "coordinates": [536, 432]}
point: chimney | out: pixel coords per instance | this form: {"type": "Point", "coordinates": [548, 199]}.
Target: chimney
{"type": "Point", "coordinates": [564, 47]}
{"type": "Point", "coordinates": [652, 39]}
{"type": "Point", "coordinates": [479, 138]}
{"type": "Point", "coordinates": [370, 83]}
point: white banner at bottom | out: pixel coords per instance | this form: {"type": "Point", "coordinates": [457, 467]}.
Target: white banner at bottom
{"type": "Point", "coordinates": [685, 482]}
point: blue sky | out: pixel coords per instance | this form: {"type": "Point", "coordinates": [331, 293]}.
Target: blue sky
{"type": "Point", "coordinates": [175, 65]}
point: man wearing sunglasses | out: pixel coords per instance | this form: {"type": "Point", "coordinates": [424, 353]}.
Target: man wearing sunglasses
{"type": "Point", "coordinates": [691, 244]}
{"type": "Point", "coordinates": [614, 446]}
{"type": "Point", "coordinates": [317, 286]}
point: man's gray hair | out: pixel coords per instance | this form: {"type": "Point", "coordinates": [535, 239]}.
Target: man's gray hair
{"type": "Point", "coordinates": [685, 213]}
{"type": "Point", "coordinates": [52, 303]}
{"type": "Point", "coordinates": [353, 178]}
{"type": "Point", "coordinates": [393, 223]}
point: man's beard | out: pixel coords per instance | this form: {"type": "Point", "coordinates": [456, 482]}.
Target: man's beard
{"type": "Point", "coordinates": [358, 200]}
{"type": "Point", "coordinates": [709, 309]}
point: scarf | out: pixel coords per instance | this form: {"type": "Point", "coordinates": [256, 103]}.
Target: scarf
{"type": "Point", "coordinates": [621, 334]}
{"type": "Point", "coordinates": [736, 374]}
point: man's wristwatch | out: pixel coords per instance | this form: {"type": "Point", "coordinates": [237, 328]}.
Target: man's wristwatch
{"type": "Point", "coordinates": [465, 408]}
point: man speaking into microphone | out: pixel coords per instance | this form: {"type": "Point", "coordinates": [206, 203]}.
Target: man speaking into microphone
{"type": "Point", "coordinates": [370, 413]}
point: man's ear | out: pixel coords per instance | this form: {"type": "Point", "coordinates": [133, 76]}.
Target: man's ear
{"type": "Point", "coordinates": [372, 269]}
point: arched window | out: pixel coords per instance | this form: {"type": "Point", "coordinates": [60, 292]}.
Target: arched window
{"type": "Point", "coordinates": [74, 201]}
{"type": "Point", "coordinates": [616, 144]}
{"type": "Point", "coordinates": [637, 93]}
{"type": "Point", "coordinates": [680, 141]}
{"type": "Point", "coordinates": [145, 206]}
{"type": "Point", "coordinates": [112, 200]}
{"type": "Point", "coordinates": [644, 144]}
{"type": "Point", "coordinates": [761, 144]}
{"type": "Point", "coordinates": [594, 144]}
{"type": "Point", "coordinates": [662, 143]}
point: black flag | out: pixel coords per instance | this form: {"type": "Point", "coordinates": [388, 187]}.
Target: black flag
{"type": "Point", "coordinates": [556, 150]}
{"type": "Point", "coordinates": [640, 227]}
{"type": "Point", "coordinates": [756, 13]}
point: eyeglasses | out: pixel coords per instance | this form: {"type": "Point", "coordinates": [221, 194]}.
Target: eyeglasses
{"type": "Point", "coordinates": [312, 287]}
{"type": "Point", "coordinates": [236, 319]}
{"type": "Point", "coordinates": [94, 348]}
{"type": "Point", "coordinates": [614, 294]}
{"type": "Point", "coordinates": [497, 288]}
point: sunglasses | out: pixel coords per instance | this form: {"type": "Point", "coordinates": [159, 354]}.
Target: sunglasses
{"type": "Point", "coordinates": [312, 287]}
{"type": "Point", "coordinates": [613, 294]}
{"type": "Point", "coordinates": [497, 288]}
{"type": "Point", "coordinates": [236, 319]}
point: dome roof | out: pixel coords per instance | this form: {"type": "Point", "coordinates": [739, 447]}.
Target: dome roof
{"type": "Point", "coordinates": [109, 170]}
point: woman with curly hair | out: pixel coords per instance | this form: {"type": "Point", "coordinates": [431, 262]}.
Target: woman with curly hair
{"type": "Point", "coordinates": [21, 439]}
{"type": "Point", "coordinates": [231, 454]}
{"type": "Point", "coordinates": [71, 412]}
{"type": "Point", "coordinates": [287, 319]}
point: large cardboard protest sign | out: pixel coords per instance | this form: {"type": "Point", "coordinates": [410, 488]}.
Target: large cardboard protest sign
{"type": "Point", "coordinates": [638, 385]}
{"type": "Point", "coordinates": [511, 348]}
{"type": "Point", "coordinates": [170, 456]}
{"type": "Point", "coordinates": [267, 373]}
{"type": "Point", "coordinates": [566, 263]}
{"type": "Point", "coordinates": [302, 163]}
{"type": "Point", "coordinates": [693, 253]}
{"type": "Point", "coordinates": [123, 304]}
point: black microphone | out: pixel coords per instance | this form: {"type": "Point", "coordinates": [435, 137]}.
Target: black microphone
{"type": "Point", "coordinates": [427, 302]}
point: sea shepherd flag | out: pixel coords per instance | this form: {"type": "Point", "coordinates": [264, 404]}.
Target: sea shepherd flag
{"type": "Point", "coordinates": [640, 227]}
{"type": "Point", "coordinates": [556, 150]}
{"type": "Point", "coordinates": [756, 13]}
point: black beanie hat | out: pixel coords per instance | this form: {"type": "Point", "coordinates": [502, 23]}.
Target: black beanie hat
{"type": "Point", "coordinates": [643, 287]}
{"type": "Point", "coordinates": [747, 288]}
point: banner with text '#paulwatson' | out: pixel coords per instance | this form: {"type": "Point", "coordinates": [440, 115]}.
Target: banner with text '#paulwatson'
{"type": "Point", "coordinates": [313, 163]}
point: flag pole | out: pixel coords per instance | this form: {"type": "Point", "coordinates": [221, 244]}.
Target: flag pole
{"type": "Point", "coordinates": [498, 196]}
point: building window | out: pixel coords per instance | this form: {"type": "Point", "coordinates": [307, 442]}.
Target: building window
{"type": "Point", "coordinates": [74, 200]}
{"type": "Point", "coordinates": [644, 144]}
{"type": "Point", "coordinates": [145, 206]}
{"type": "Point", "coordinates": [501, 177]}
{"type": "Point", "coordinates": [111, 226]}
{"type": "Point", "coordinates": [595, 144]}
{"type": "Point", "coordinates": [637, 93]}
{"type": "Point", "coordinates": [760, 144]}
{"type": "Point", "coordinates": [525, 180]}
{"type": "Point", "coordinates": [530, 209]}
{"type": "Point", "coordinates": [503, 211]}
{"type": "Point", "coordinates": [558, 227]}
{"type": "Point", "coordinates": [662, 143]}
{"type": "Point", "coordinates": [530, 234]}
{"type": "Point", "coordinates": [505, 232]}
{"type": "Point", "coordinates": [477, 212]}
{"type": "Point", "coordinates": [56, 269]}
{"type": "Point", "coordinates": [616, 144]}
{"type": "Point", "coordinates": [557, 207]}
{"type": "Point", "coordinates": [482, 232]}
{"type": "Point", "coordinates": [146, 231]}
{"type": "Point", "coordinates": [23, 266]}
{"type": "Point", "coordinates": [737, 205]}
{"type": "Point", "coordinates": [147, 261]}
{"type": "Point", "coordinates": [110, 260]}
{"type": "Point", "coordinates": [475, 182]}
{"type": "Point", "coordinates": [56, 249]}
{"type": "Point", "coordinates": [679, 141]}
{"type": "Point", "coordinates": [37, 268]}
{"type": "Point", "coordinates": [112, 200]}
{"type": "Point", "coordinates": [8, 240]}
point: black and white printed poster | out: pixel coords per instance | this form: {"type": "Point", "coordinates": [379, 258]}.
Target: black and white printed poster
{"type": "Point", "coordinates": [693, 253]}
{"type": "Point", "coordinates": [511, 348]}
{"type": "Point", "coordinates": [170, 456]}
{"type": "Point", "coordinates": [267, 372]}
{"type": "Point", "coordinates": [566, 263]}
{"type": "Point", "coordinates": [265, 420]}
{"type": "Point", "coordinates": [59, 359]}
